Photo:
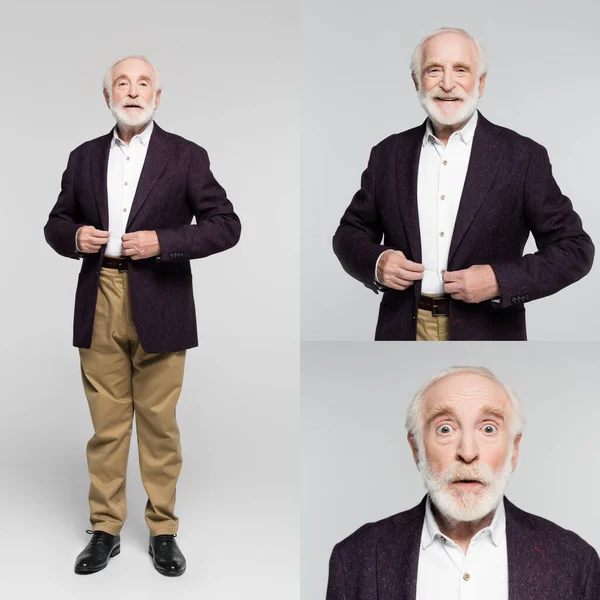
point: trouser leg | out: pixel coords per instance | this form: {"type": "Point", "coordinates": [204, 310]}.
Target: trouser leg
{"type": "Point", "coordinates": [106, 373]}
{"type": "Point", "coordinates": [156, 385]}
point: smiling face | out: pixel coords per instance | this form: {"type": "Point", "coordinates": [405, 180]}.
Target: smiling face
{"type": "Point", "coordinates": [133, 96]}
{"type": "Point", "coordinates": [449, 84]}
{"type": "Point", "coordinates": [467, 451]}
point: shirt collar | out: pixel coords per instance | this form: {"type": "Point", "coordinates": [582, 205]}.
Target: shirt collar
{"type": "Point", "coordinates": [465, 134]}
{"type": "Point", "coordinates": [495, 529]}
{"type": "Point", "coordinates": [144, 137]}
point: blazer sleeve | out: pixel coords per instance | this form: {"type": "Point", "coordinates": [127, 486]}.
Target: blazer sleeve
{"type": "Point", "coordinates": [592, 584]}
{"type": "Point", "coordinates": [65, 217]}
{"type": "Point", "coordinates": [336, 585]}
{"type": "Point", "coordinates": [357, 241]}
{"type": "Point", "coordinates": [565, 251]}
{"type": "Point", "coordinates": [217, 227]}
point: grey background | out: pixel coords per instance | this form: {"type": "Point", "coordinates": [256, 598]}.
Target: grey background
{"type": "Point", "coordinates": [357, 90]}
{"type": "Point", "coordinates": [357, 464]}
{"type": "Point", "coordinates": [230, 84]}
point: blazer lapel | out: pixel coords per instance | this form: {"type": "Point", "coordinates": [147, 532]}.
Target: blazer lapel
{"type": "Point", "coordinates": [408, 156]}
{"type": "Point", "coordinates": [99, 171]}
{"type": "Point", "coordinates": [486, 155]}
{"type": "Point", "coordinates": [157, 156]}
{"type": "Point", "coordinates": [398, 557]}
{"type": "Point", "coordinates": [526, 565]}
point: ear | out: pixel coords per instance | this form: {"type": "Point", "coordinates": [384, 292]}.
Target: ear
{"type": "Point", "coordinates": [157, 101]}
{"type": "Point", "coordinates": [415, 81]}
{"type": "Point", "coordinates": [482, 81]}
{"type": "Point", "coordinates": [106, 98]}
{"type": "Point", "coordinates": [515, 457]}
{"type": "Point", "coordinates": [413, 447]}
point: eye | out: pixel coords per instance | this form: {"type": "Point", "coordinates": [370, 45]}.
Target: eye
{"type": "Point", "coordinates": [490, 428]}
{"type": "Point", "coordinates": [143, 83]}
{"type": "Point", "coordinates": [444, 429]}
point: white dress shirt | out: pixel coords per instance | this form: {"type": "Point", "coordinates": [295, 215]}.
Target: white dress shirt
{"type": "Point", "coordinates": [125, 164]}
{"type": "Point", "coordinates": [446, 572]}
{"type": "Point", "coordinates": [442, 173]}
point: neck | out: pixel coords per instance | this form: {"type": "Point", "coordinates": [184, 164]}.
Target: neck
{"type": "Point", "coordinates": [460, 532]}
{"type": "Point", "coordinates": [443, 132]}
{"type": "Point", "coordinates": [127, 132]}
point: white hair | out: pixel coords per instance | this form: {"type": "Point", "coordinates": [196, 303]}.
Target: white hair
{"type": "Point", "coordinates": [416, 60]}
{"type": "Point", "coordinates": [108, 81]}
{"type": "Point", "coordinates": [414, 417]}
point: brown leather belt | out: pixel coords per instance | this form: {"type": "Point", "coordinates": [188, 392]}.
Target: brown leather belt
{"type": "Point", "coordinates": [113, 262]}
{"type": "Point", "coordinates": [439, 307]}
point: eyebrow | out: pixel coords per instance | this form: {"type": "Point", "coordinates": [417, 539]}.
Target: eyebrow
{"type": "Point", "coordinates": [122, 75]}
{"type": "Point", "coordinates": [442, 409]}
{"type": "Point", "coordinates": [435, 63]}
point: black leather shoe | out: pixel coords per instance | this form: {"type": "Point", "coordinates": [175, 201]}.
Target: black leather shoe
{"type": "Point", "coordinates": [166, 555]}
{"type": "Point", "coordinates": [96, 554]}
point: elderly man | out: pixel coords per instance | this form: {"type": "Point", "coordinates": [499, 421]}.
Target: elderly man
{"type": "Point", "coordinates": [126, 206]}
{"type": "Point", "coordinates": [464, 540]}
{"type": "Point", "coordinates": [454, 201]}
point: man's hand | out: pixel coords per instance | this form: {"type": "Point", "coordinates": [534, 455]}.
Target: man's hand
{"type": "Point", "coordinates": [90, 239]}
{"type": "Point", "coordinates": [140, 244]}
{"type": "Point", "coordinates": [475, 284]}
{"type": "Point", "coordinates": [395, 271]}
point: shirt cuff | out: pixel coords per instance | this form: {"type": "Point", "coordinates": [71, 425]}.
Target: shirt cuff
{"type": "Point", "coordinates": [377, 264]}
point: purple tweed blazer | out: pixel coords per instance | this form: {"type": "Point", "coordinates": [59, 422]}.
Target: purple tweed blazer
{"type": "Point", "coordinates": [175, 185]}
{"type": "Point", "coordinates": [545, 562]}
{"type": "Point", "coordinates": [509, 191]}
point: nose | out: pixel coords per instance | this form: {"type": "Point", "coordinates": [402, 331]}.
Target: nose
{"type": "Point", "coordinates": [447, 83]}
{"type": "Point", "coordinates": [467, 450]}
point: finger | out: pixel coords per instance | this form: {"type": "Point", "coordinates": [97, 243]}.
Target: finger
{"type": "Point", "coordinates": [129, 252]}
{"type": "Point", "coordinates": [127, 244]}
{"type": "Point", "coordinates": [452, 288]}
{"type": "Point", "coordinates": [398, 283]}
{"type": "Point", "coordinates": [410, 275]}
{"type": "Point", "coordinates": [452, 275]}
{"type": "Point", "coordinates": [409, 265]}
{"type": "Point", "coordinates": [394, 286]}
{"type": "Point", "coordinates": [128, 236]}
{"type": "Point", "coordinates": [100, 233]}
{"type": "Point", "coordinates": [97, 240]}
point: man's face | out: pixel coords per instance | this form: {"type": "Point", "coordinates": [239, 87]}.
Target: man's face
{"type": "Point", "coordinates": [448, 85]}
{"type": "Point", "coordinates": [466, 454]}
{"type": "Point", "coordinates": [133, 96]}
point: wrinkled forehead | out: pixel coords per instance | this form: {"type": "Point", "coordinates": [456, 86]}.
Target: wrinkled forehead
{"type": "Point", "coordinates": [466, 393]}
{"type": "Point", "coordinates": [133, 68]}
{"type": "Point", "coordinates": [449, 47]}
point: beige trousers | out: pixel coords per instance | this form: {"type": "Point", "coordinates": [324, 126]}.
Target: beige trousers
{"type": "Point", "coordinates": [121, 379]}
{"type": "Point", "coordinates": [432, 329]}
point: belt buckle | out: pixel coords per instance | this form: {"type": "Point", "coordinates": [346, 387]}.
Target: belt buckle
{"type": "Point", "coordinates": [122, 263]}
{"type": "Point", "coordinates": [434, 311]}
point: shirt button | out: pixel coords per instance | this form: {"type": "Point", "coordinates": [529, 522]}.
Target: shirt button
{"type": "Point", "coordinates": [441, 234]}
{"type": "Point", "coordinates": [466, 576]}
{"type": "Point", "coordinates": [127, 158]}
{"type": "Point", "coordinates": [444, 162]}
{"type": "Point", "coordinates": [443, 539]}
{"type": "Point", "coordinates": [124, 210]}
{"type": "Point", "coordinates": [443, 197]}
{"type": "Point", "coordinates": [125, 183]}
